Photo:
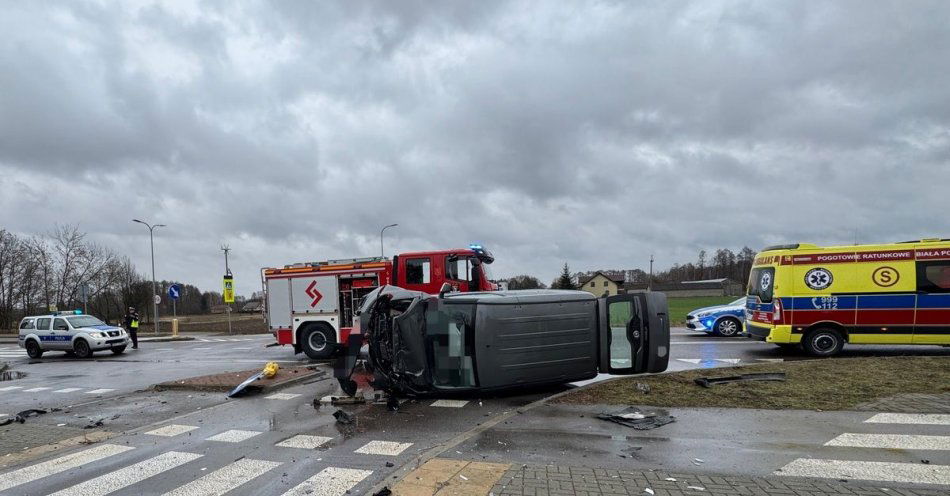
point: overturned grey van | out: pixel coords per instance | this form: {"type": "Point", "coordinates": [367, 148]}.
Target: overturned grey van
{"type": "Point", "coordinates": [465, 342]}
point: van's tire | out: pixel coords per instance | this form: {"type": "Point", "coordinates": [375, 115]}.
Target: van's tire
{"type": "Point", "coordinates": [118, 350]}
{"type": "Point", "coordinates": [728, 327]}
{"type": "Point", "coordinates": [823, 342]}
{"type": "Point", "coordinates": [33, 349]}
{"type": "Point", "coordinates": [81, 349]}
{"type": "Point", "coordinates": [317, 341]}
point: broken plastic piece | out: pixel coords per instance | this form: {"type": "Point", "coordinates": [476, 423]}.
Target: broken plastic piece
{"type": "Point", "coordinates": [344, 417]}
{"type": "Point", "coordinates": [633, 417]}
{"type": "Point", "coordinates": [765, 376]}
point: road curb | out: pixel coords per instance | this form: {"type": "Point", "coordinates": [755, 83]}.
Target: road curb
{"type": "Point", "coordinates": [253, 388]}
{"type": "Point", "coordinates": [167, 339]}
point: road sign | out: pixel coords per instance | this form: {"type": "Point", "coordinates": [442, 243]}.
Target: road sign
{"type": "Point", "coordinates": [228, 289]}
{"type": "Point", "coordinates": [158, 300]}
{"type": "Point", "coordinates": [174, 291]}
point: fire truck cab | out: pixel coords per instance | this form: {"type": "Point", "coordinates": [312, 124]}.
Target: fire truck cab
{"type": "Point", "coordinates": [311, 305]}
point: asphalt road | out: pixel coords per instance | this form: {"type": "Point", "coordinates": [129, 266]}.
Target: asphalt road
{"type": "Point", "coordinates": [274, 444]}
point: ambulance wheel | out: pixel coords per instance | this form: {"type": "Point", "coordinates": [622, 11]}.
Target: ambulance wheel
{"type": "Point", "coordinates": [118, 350]}
{"type": "Point", "coordinates": [81, 349]}
{"type": "Point", "coordinates": [317, 342]}
{"type": "Point", "coordinates": [33, 349]}
{"type": "Point", "coordinates": [728, 327]}
{"type": "Point", "coordinates": [823, 342]}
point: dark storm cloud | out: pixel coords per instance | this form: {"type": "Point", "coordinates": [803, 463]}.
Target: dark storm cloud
{"type": "Point", "coordinates": [595, 133]}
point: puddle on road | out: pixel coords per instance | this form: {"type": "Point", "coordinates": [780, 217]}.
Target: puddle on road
{"type": "Point", "coordinates": [11, 375]}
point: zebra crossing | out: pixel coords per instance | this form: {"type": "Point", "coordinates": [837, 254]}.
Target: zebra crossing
{"type": "Point", "coordinates": [884, 445]}
{"type": "Point", "coordinates": [156, 468]}
{"type": "Point", "coordinates": [227, 340]}
{"type": "Point", "coordinates": [54, 390]}
{"type": "Point", "coordinates": [10, 352]}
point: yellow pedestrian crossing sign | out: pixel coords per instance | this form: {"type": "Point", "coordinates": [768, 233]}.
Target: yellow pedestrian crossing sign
{"type": "Point", "coordinates": [228, 289]}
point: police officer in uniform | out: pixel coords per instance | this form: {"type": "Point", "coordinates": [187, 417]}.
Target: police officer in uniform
{"type": "Point", "coordinates": [132, 326]}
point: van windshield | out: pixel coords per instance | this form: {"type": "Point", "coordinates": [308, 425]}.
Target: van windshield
{"type": "Point", "coordinates": [761, 281]}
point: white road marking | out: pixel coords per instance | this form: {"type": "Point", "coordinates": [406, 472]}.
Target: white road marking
{"type": "Point", "coordinates": [910, 418]}
{"type": "Point", "coordinates": [233, 436]}
{"type": "Point", "coordinates": [243, 348]}
{"type": "Point", "coordinates": [733, 361]}
{"type": "Point", "coordinates": [10, 388]}
{"type": "Point", "coordinates": [132, 474]}
{"type": "Point", "coordinates": [876, 471]}
{"type": "Point", "coordinates": [450, 403]}
{"type": "Point", "coordinates": [100, 391]}
{"type": "Point", "coordinates": [304, 441]}
{"type": "Point", "coordinates": [61, 464]}
{"type": "Point", "coordinates": [331, 481]}
{"type": "Point", "coordinates": [171, 430]}
{"type": "Point", "coordinates": [892, 441]}
{"type": "Point", "coordinates": [35, 390]}
{"type": "Point", "coordinates": [67, 390]}
{"type": "Point", "coordinates": [386, 448]}
{"type": "Point", "coordinates": [225, 479]}
{"type": "Point", "coordinates": [201, 349]}
{"type": "Point", "coordinates": [281, 396]}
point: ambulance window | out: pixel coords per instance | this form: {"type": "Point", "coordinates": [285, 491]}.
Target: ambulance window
{"type": "Point", "coordinates": [761, 281]}
{"type": "Point", "coordinates": [933, 277]}
{"type": "Point", "coordinates": [417, 271]}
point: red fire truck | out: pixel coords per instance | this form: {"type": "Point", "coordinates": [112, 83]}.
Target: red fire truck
{"type": "Point", "coordinates": [311, 305]}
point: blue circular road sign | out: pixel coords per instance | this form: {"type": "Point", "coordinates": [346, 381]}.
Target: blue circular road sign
{"type": "Point", "coordinates": [174, 291]}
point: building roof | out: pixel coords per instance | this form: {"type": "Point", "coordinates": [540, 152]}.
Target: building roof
{"type": "Point", "coordinates": [618, 279]}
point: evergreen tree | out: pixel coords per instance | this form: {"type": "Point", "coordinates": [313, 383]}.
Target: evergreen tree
{"type": "Point", "coordinates": [565, 281]}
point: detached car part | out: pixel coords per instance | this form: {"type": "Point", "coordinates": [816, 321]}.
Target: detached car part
{"type": "Point", "coordinates": [467, 342]}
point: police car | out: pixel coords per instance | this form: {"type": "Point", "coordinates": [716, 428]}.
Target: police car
{"type": "Point", "coordinates": [723, 320]}
{"type": "Point", "coordinates": [71, 332]}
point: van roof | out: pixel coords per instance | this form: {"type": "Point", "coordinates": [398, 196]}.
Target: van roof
{"type": "Point", "coordinates": [809, 246]}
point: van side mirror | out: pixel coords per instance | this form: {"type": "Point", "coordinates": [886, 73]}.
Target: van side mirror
{"type": "Point", "coordinates": [446, 288]}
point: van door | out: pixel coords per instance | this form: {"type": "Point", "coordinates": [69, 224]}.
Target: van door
{"type": "Point", "coordinates": [932, 319]}
{"type": "Point", "coordinates": [634, 333]}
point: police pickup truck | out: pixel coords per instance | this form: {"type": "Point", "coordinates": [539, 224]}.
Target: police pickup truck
{"type": "Point", "coordinates": [72, 332]}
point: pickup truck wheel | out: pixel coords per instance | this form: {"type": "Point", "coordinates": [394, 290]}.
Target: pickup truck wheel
{"type": "Point", "coordinates": [33, 349]}
{"type": "Point", "coordinates": [823, 342]}
{"type": "Point", "coordinates": [728, 327]}
{"type": "Point", "coordinates": [317, 342]}
{"type": "Point", "coordinates": [118, 350]}
{"type": "Point", "coordinates": [81, 348]}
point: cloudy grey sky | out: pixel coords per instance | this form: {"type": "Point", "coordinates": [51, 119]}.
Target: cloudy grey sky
{"type": "Point", "coordinates": [594, 133]}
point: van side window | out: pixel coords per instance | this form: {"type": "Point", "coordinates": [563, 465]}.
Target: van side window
{"type": "Point", "coordinates": [60, 325]}
{"type": "Point", "coordinates": [933, 277]}
{"type": "Point", "coordinates": [27, 324]}
{"type": "Point", "coordinates": [43, 324]}
{"type": "Point", "coordinates": [417, 271]}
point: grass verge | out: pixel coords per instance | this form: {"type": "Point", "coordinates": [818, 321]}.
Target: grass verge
{"type": "Point", "coordinates": [831, 384]}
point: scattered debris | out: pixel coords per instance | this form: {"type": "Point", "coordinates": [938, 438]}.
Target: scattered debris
{"type": "Point", "coordinates": [670, 479]}
{"type": "Point", "coordinates": [633, 417]}
{"type": "Point", "coordinates": [925, 462]}
{"type": "Point", "coordinates": [463, 477]}
{"type": "Point", "coordinates": [343, 417]}
{"type": "Point", "coordinates": [631, 449]}
{"type": "Point", "coordinates": [696, 488]}
{"type": "Point", "coordinates": [764, 376]}
{"type": "Point", "coordinates": [347, 400]}
{"type": "Point", "coordinates": [698, 461]}
{"type": "Point", "coordinates": [25, 414]}
{"type": "Point", "coordinates": [643, 388]}
{"type": "Point", "coordinates": [383, 492]}
{"type": "Point", "coordinates": [390, 464]}
{"type": "Point", "coordinates": [649, 491]}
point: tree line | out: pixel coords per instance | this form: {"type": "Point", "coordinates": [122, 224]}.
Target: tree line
{"type": "Point", "coordinates": [64, 269]}
{"type": "Point", "coordinates": [723, 263]}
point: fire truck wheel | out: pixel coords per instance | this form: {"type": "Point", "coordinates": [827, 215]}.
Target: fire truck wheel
{"type": "Point", "coordinates": [317, 341]}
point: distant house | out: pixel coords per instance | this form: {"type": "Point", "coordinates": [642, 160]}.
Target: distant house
{"type": "Point", "coordinates": [709, 287]}
{"type": "Point", "coordinates": [600, 284]}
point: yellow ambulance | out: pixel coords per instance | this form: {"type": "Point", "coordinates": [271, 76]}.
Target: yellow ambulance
{"type": "Point", "coordinates": [821, 298]}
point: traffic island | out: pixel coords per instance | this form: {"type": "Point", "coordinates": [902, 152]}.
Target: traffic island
{"type": "Point", "coordinates": [229, 380]}
{"type": "Point", "coordinates": [165, 339]}
{"type": "Point", "coordinates": [867, 383]}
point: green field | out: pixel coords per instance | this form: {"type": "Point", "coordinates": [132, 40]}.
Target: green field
{"type": "Point", "coordinates": [679, 307]}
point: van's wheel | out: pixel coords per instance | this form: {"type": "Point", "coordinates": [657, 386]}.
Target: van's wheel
{"type": "Point", "coordinates": [33, 349]}
{"type": "Point", "coordinates": [728, 327]}
{"type": "Point", "coordinates": [823, 342]}
{"type": "Point", "coordinates": [81, 348]}
{"type": "Point", "coordinates": [118, 350]}
{"type": "Point", "coordinates": [317, 341]}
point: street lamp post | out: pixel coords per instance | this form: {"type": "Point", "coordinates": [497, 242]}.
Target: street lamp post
{"type": "Point", "coordinates": [151, 241]}
{"type": "Point", "coordinates": [381, 238]}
